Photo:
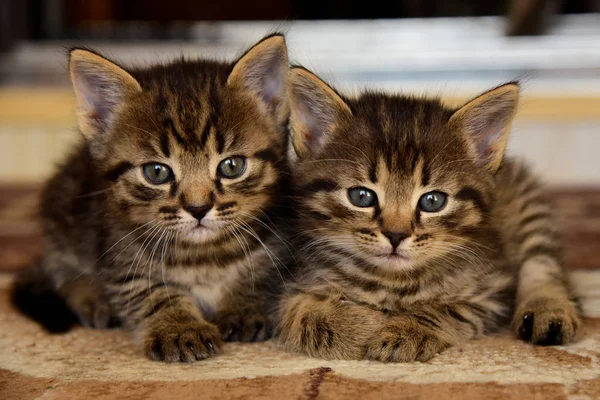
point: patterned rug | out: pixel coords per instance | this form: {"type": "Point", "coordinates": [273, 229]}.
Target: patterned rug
{"type": "Point", "coordinates": [87, 363]}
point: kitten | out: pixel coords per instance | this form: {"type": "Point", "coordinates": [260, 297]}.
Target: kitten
{"type": "Point", "coordinates": [417, 233]}
{"type": "Point", "coordinates": [163, 215]}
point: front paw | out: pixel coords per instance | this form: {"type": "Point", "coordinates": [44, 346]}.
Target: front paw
{"type": "Point", "coordinates": [181, 341]}
{"type": "Point", "coordinates": [245, 326]}
{"type": "Point", "coordinates": [547, 321]}
{"type": "Point", "coordinates": [404, 340]}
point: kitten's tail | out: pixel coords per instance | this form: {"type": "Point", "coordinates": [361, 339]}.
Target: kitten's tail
{"type": "Point", "coordinates": [33, 294]}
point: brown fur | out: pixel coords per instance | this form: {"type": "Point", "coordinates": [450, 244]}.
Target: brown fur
{"type": "Point", "coordinates": [457, 271]}
{"type": "Point", "coordinates": [194, 260]}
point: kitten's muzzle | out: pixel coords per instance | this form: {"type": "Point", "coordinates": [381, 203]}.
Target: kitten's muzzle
{"type": "Point", "coordinates": [198, 212]}
{"type": "Point", "coordinates": [395, 238]}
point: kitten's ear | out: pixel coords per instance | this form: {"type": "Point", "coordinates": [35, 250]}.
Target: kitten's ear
{"type": "Point", "coordinates": [100, 87]}
{"type": "Point", "coordinates": [264, 70]}
{"type": "Point", "coordinates": [315, 111]}
{"type": "Point", "coordinates": [486, 121]}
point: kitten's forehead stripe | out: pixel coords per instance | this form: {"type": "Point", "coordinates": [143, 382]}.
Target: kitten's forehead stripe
{"type": "Point", "coordinates": [165, 146]}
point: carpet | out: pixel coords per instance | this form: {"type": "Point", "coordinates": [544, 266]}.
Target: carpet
{"type": "Point", "coordinates": [87, 363]}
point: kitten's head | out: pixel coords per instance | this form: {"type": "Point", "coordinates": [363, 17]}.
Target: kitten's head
{"type": "Point", "coordinates": [197, 146]}
{"type": "Point", "coordinates": [394, 181]}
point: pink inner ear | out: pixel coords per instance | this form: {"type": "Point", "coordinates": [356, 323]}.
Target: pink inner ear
{"type": "Point", "coordinates": [486, 129]}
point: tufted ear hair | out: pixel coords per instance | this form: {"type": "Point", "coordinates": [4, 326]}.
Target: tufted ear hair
{"type": "Point", "coordinates": [315, 111]}
{"type": "Point", "coordinates": [264, 71]}
{"type": "Point", "coordinates": [486, 121]}
{"type": "Point", "coordinates": [100, 88]}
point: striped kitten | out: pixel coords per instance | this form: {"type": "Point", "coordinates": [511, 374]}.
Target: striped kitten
{"type": "Point", "coordinates": [417, 233]}
{"type": "Point", "coordinates": [162, 216]}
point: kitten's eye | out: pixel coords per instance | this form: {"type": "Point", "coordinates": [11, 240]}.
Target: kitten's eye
{"type": "Point", "coordinates": [157, 174]}
{"type": "Point", "coordinates": [362, 197]}
{"type": "Point", "coordinates": [432, 201]}
{"type": "Point", "coordinates": [232, 167]}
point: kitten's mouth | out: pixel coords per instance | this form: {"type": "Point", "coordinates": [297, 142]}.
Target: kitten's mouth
{"type": "Point", "coordinates": [393, 256]}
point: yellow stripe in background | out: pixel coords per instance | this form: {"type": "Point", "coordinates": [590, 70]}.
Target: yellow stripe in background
{"type": "Point", "coordinates": [56, 105]}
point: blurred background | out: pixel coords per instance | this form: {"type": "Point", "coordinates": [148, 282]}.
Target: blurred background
{"type": "Point", "coordinates": [448, 48]}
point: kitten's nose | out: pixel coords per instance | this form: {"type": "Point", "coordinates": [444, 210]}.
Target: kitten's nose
{"type": "Point", "coordinates": [395, 238]}
{"type": "Point", "coordinates": [198, 212]}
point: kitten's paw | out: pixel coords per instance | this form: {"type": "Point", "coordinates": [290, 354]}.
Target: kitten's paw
{"type": "Point", "coordinates": [182, 341]}
{"type": "Point", "coordinates": [245, 326]}
{"type": "Point", "coordinates": [404, 340]}
{"type": "Point", "coordinates": [547, 321]}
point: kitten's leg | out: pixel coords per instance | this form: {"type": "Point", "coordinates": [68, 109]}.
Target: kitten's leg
{"type": "Point", "coordinates": [245, 317]}
{"type": "Point", "coordinates": [81, 289]}
{"type": "Point", "coordinates": [167, 321]}
{"type": "Point", "coordinates": [329, 328]}
{"type": "Point", "coordinates": [546, 312]}
{"type": "Point", "coordinates": [425, 330]}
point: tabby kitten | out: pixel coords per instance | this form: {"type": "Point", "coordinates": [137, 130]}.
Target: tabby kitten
{"type": "Point", "coordinates": [417, 234]}
{"type": "Point", "coordinates": [163, 215]}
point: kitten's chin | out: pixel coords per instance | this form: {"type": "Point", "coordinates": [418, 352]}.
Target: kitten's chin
{"type": "Point", "coordinates": [196, 233]}
{"type": "Point", "coordinates": [392, 261]}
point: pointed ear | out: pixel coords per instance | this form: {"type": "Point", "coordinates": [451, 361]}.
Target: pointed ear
{"type": "Point", "coordinates": [264, 70]}
{"type": "Point", "coordinates": [315, 111]}
{"type": "Point", "coordinates": [486, 122]}
{"type": "Point", "coordinates": [100, 87]}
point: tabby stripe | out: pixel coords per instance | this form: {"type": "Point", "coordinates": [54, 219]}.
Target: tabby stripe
{"type": "Point", "coordinates": [220, 142]}
{"type": "Point", "coordinates": [541, 249]}
{"type": "Point", "coordinates": [115, 172]}
{"type": "Point", "coordinates": [171, 126]}
{"type": "Point", "coordinates": [320, 185]}
{"type": "Point", "coordinates": [373, 172]}
{"type": "Point", "coordinates": [428, 322]}
{"type": "Point", "coordinates": [205, 134]}
{"type": "Point", "coordinates": [219, 186]}
{"type": "Point", "coordinates": [129, 278]}
{"type": "Point", "coordinates": [460, 318]}
{"type": "Point", "coordinates": [227, 205]}
{"type": "Point", "coordinates": [145, 292]}
{"type": "Point", "coordinates": [317, 215]}
{"type": "Point", "coordinates": [549, 232]}
{"type": "Point", "coordinates": [537, 216]}
{"type": "Point", "coordinates": [368, 285]}
{"type": "Point", "coordinates": [173, 189]}
{"type": "Point", "coordinates": [267, 155]}
{"type": "Point", "coordinates": [165, 145]}
{"type": "Point", "coordinates": [471, 194]}
{"type": "Point", "coordinates": [425, 175]}
{"type": "Point", "coordinates": [143, 193]}
{"type": "Point", "coordinates": [154, 308]}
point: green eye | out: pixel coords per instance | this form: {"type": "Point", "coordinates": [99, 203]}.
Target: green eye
{"type": "Point", "coordinates": [232, 167]}
{"type": "Point", "coordinates": [362, 197]}
{"type": "Point", "coordinates": [157, 174]}
{"type": "Point", "coordinates": [432, 201]}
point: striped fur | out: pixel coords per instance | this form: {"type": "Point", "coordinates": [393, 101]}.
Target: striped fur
{"type": "Point", "coordinates": [194, 260]}
{"type": "Point", "coordinates": [457, 273]}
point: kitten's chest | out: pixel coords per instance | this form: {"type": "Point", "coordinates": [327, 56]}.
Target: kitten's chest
{"type": "Point", "coordinates": [209, 285]}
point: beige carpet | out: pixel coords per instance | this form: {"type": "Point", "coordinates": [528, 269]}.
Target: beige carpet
{"type": "Point", "coordinates": [93, 364]}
